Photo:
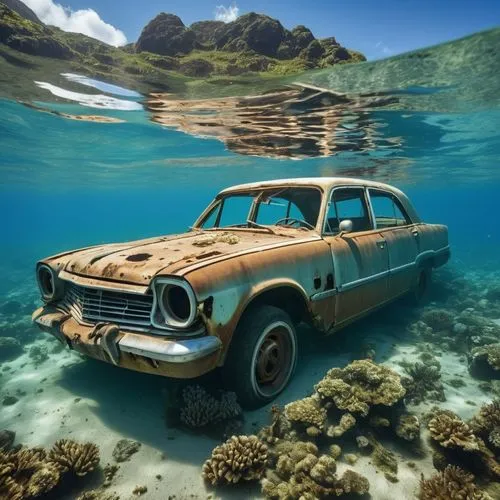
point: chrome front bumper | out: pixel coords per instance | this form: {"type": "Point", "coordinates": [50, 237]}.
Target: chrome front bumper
{"type": "Point", "coordinates": [152, 347]}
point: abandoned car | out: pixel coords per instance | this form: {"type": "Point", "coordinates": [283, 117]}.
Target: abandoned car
{"type": "Point", "coordinates": [229, 293]}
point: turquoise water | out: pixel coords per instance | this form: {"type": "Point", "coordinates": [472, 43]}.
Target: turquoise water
{"type": "Point", "coordinates": [429, 125]}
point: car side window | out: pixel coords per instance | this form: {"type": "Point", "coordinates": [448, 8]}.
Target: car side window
{"type": "Point", "coordinates": [388, 210]}
{"type": "Point", "coordinates": [347, 204]}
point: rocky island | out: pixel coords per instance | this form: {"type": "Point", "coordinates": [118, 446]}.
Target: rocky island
{"type": "Point", "coordinates": [168, 54]}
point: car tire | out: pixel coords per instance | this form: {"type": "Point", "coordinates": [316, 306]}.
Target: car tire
{"type": "Point", "coordinates": [262, 356]}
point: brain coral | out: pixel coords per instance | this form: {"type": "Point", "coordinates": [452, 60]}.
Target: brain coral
{"type": "Point", "coordinates": [360, 385]}
{"type": "Point", "coordinates": [239, 458]}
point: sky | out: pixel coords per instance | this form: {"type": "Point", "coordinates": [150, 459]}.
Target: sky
{"type": "Point", "coordinates": [377, 28]}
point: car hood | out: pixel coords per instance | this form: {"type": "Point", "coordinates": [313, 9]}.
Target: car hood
{"type": "Point", "coordinates": [139, 261]}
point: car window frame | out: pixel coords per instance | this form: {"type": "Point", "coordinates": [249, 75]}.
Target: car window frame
{"type": "Point", "coordinates": [367, 205]}
{"type": "Point", "coordinates": [218, 201]}
{"type": "Point", "coordinates": [398, 203]}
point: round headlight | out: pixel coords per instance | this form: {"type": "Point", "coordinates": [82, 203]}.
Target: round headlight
{"type": "Point", "coordinates": [51, 287]}
{"type": "Point", "coordinates": [46, 282]}
{"type": "Point", "coordinates": [176, 305]}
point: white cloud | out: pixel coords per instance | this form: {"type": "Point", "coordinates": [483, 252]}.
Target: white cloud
{"type": "Point", "coordinates": [226, 14]}
{"type": "Point", "coordinates": [383, 48]}
{"type": "Point", "coordinates": [86, 21]}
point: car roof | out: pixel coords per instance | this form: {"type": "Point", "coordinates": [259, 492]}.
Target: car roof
{"type": "Point", "coordinates": [326, 183]}
{"type": "Point", "coordinates": [323, 182]}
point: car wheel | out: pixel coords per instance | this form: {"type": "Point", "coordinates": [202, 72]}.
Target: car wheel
{"type": "Point", "coordinates": [262, 356]}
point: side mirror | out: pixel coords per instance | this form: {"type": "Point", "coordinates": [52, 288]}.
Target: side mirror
{"type": "Point", "coordinates": [345, 226]}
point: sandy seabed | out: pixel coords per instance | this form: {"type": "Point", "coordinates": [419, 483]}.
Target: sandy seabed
{"type": "Point", "coordinates": [69, 396]}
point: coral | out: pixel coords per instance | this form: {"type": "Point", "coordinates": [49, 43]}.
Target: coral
{"type": "Point", "coordinates": [280, 425]}
{"type": "Point", "coordinates": [451, 432]}
{"type": "Point", "coordinates": [109, 472]}
{"type": "Point", "coordinates": [378, 421]}
{"type": "Point", "coordinates": [201, 409]}
{"type": "Point", "coordinates": [307, 411]}
{"type": "Point", "coordinates": [352, 482]}
{"type": "Point", "coordinates": [296, 450]}
{"type": "Point", "coordinates": [312, 477]}
{"type": "Point", "coordinates": [140, 490]}
{"type": "Point", "coordinates": [494, 438]}
{"type": "Point", "coordinates": [347, 422]}
{"type": "Point", "coordinates": [335, 451]}
{"type": "Point", "coordinates": [384, 459]}
{"type": "Point", "coordinates": [408, 427]}
{"type": "Point", "coordinates": [451, 483]}
{"type": "Point", "coordinates": [98, 495]}
{"type": "Point", "coordinates": [486, 420]}
{"type": "Point", "coordinates": [228, 406]}
{"type": "Point", "coordinates": [43, 480]}
{"type": "Point", "coordinates": [438, 319]}
{"type": "Point", "coordinates": [239, 458]}
{"type": "Point", "coordinates": [124, 449]}
{"type": "Point", "coordinates": [70, 456]}
{"type": "Point", "coordinates": [26, 473]}
{"type": "Point", "coordinates": [360, 385]}
{"type": "Point", "coordinates": [484, 361]}
{"type": "Point", "coordinates": [425, 383]}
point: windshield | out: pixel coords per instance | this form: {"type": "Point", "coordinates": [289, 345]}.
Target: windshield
{"type": "Point", "coordinates": [291, 207]}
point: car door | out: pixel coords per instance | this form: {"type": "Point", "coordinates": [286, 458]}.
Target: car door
{"type": "Point", "coordinates": [401, 236]}
{"type": "Point", "coordinates": [360, 257]}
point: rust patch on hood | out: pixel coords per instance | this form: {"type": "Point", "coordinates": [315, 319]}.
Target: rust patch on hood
{"type": "Point", "coordinates": [139, 261]}
{"type": "Point", "coordinates": [138, 257]}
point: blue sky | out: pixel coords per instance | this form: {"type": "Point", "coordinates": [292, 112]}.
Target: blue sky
{"type": "Point", "coordinates": [376, 28]}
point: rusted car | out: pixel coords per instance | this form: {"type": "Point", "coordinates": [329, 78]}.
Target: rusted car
{"type": "Point", "coordinates": [229, 293]}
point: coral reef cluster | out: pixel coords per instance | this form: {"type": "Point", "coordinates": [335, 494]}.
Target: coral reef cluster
{"type": "Point", "coordinates": [461, 444]}
{"type": "Point", "coordinates": [240, 458]}
{"type": "Point", "coordinates": [300, 473]}
{"type": "Point", "coordinates": [451, 483]}
{"type": "Point", "coordinates": [32, 472]}
{"type": "Point", "coordinates": [200, 409]}
{"type": "Point", "coordinates": [359, 386]}
{"type": "Point", "coordinates": [302, 443]}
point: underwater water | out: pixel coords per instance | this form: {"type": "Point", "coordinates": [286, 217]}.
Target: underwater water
{"type": "Point", "coordinates": [95, 163]}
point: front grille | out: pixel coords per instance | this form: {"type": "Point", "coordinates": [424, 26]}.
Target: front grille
{"type": "Point", "coordinates": [90, 305]}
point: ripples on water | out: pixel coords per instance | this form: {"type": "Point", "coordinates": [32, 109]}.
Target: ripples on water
{"type": "Point", "coordinates": [95, 162]}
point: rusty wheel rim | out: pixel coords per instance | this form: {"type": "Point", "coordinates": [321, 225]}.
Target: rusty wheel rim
{"type": "Point", "coordinates": [274, 359]}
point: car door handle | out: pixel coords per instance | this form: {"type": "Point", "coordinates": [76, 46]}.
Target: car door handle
{"type": "Point", "coordinates": [381, 244]}
{"type": "Point", "coordinates": [415, 233]}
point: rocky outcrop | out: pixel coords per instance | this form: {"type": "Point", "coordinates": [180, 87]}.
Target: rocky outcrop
{"type": "Point", "coordinates": [166, 35]}
{"type": "Point", "coordinates": [204, 32]}
{"type": "Point", "coordinates": [251, 33]}
{"type": "Point", "coordinates": [23, 10]}
{"type": "Point", "coordinates": [31, 37]}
